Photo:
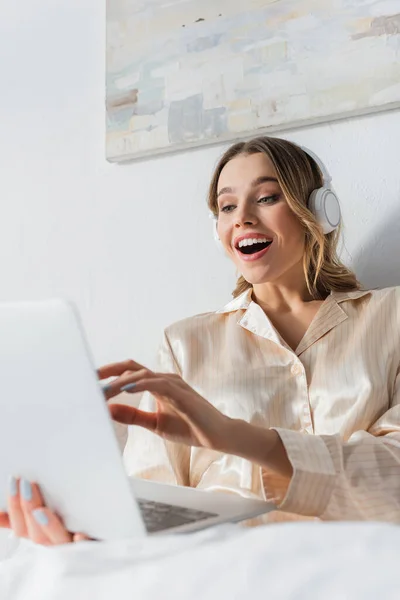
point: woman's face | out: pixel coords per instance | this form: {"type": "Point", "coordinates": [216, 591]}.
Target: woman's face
{"type": "Point", "coordinates": [258, 230]}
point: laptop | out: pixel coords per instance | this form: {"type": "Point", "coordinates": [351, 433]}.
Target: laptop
{"type": "Point", "coordinates": [55, 429]}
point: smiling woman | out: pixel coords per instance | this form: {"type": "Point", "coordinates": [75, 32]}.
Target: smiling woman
{"type": "Point", "coordinates": [290, 392]}
{"type": "Point", "coordinates": [300, 352]}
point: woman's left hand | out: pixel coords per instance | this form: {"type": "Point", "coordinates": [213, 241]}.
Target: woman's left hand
{"type": "Point", "coordinates": [29, 517]}
{"type": "Point", "coordinates": [182, 414]}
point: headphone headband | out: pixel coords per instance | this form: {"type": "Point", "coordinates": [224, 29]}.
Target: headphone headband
{"type": "Point", "coordinates": [325, 173]}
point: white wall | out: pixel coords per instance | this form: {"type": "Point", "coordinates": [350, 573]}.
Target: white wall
{"type": "Point", "coordinates": [131, 244]}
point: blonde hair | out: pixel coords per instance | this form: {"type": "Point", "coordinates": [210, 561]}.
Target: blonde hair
{"type": "Point", "coordinates": [298, 175]}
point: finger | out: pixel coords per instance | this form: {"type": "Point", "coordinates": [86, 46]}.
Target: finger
{"type": "Point", "coordinates": [31, 500]}
{"type": "Point", "coordinates": [170, 392]}
{"type": "Point", "coordinates": [133, 416]}
{"type": "Point", "coordinates": [128, 381]}
{"type": "Point", "coordinates": [4, 521]}
{"type": "Point", "coordinates": [162, 385]}
{"type": "Point", "coordinates": [117, 369]}
{"type": "Point", "coordinates": [128, 378]}
{"type": "Point", "coordinates": [81, 537]}
{"type": "Point", "coordinates": [15, 513]}
{"type": "Point", "coordinates": [51, 526]}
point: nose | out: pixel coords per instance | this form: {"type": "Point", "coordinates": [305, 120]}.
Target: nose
{"type": "Point", "coordinates": [244, 216]}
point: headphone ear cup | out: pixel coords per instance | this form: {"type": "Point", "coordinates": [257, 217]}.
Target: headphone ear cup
{"type": "Point", "coordinates": [215, 232]}
{"type": "Point", "coordinates": [324, 205]}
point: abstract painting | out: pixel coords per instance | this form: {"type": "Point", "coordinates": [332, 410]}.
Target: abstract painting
{"type": "Point", "coordinates": [186, 73]}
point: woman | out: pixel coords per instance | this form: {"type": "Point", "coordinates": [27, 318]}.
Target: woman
{"type": "Point", "coordinates": [291, 392]}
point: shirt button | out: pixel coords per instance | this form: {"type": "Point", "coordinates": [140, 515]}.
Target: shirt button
{"type": "Point", "coordinates": [296, 370]}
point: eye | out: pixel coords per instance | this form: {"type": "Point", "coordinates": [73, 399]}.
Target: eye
{"type": "Point", "coordinates": [227, 208]}
{"type": "Point", "coordinates": [268, 199]}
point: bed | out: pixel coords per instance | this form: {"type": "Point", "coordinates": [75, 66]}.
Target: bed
{"type": "Point", "coordinates": [293, 561]}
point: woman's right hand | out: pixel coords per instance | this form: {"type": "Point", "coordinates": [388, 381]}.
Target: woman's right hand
{"type": "Point", "coordinates": [29, 517]}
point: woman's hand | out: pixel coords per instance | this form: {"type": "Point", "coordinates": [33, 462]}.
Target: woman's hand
{"type": "Point", "coordinates": [182, 414]}
{"type": "Point", "coordinates": [28, 517]}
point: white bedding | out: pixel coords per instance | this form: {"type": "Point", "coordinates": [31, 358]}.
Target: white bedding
{"type": "Point", "coordinates": [307, 561]}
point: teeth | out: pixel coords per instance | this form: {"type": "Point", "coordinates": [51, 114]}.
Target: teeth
{"type": "Point", "coordinates": [250, 242]}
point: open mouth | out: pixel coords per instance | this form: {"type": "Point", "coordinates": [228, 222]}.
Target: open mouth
{"type": "Point", "coordinates": [252, 246]}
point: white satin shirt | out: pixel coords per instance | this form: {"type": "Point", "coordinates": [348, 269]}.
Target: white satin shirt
{"type": "Point", "coordinates": [335, 403]}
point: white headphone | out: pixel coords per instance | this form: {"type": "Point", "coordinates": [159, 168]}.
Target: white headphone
{"type": "Point", "coordinates": [323, 202]}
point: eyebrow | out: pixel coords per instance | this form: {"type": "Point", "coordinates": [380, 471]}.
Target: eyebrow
{"type": "Point", "coordinates": [255, 183]}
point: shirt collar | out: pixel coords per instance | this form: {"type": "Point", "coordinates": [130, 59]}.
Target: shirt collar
{"type": "Point", "coordinates": [240, 302]}
{"type": "Point", "coordinates": [244, 300]}
{"type": "Point", "coordinates": [255, 320]}
{"type": "Point", "coordinates": [343, 296]}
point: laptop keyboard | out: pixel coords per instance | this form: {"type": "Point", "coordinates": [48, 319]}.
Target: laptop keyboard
{"type": "Point", "coordinates": [158, 515]}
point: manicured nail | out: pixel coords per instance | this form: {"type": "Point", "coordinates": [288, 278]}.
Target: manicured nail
{"type": "Point", "coordinates": [106, 388]}
{"type": "Point", "coordinates": [13, 486]}
{"type": "Point", "coordinates": [129, 387]}
{"type": "Point", "coordinates": [40, 517]}
{"type": "Point", "coordinates": [26, 489]}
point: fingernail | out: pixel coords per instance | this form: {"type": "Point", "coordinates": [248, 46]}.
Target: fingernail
{"type": "Point", "coordinates": [106, 388]}
{"type": "Point", "coordinates": [26, 489]}
{"type": "Point", "coordinates": [129, 387]}
{"type": "Point", "coordinates": [13, 486]}
{"type": "Point", "coordinates": [40, 517]}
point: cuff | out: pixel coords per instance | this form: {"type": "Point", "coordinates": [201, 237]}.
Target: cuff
{"type": "Point", "coordinates": [314, 475]}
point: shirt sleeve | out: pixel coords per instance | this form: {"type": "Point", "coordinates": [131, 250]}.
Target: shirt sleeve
{"type": "Point", "coordinates": [148, 456]}
{"type": "Point", "coordinates": [357, 479]}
